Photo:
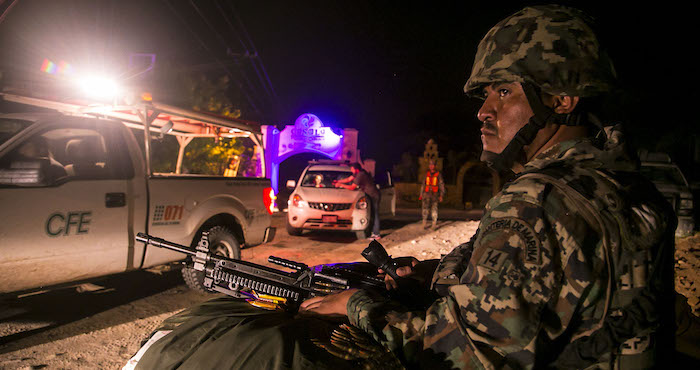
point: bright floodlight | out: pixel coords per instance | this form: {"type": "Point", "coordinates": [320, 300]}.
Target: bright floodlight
{"type": "Point", "coordinates": [99, 87]}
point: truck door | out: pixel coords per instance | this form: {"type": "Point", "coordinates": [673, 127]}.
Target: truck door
{"type": "Point", "coordinates": [64, 191]}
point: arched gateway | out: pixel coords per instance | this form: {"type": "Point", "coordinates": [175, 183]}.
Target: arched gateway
{"type": "Point", "coordinates": [307, 135]}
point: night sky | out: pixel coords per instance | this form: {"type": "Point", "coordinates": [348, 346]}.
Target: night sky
{"type": "Point", "coordinates": [394, 70]}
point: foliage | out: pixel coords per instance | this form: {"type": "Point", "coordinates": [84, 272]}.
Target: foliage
{"type": "Point", "coordinates": [210, 95]}
{"type": "Point", "coordinates": [406, 169]}
{"type": "Point", "coordinates": [204, 156]}
{"type": "Point", "coordinates": [455, 161]}
{"type": "Point", "coordinates": [163, 153]}
{"type": "Point", "coordinates": [207, 156]}
{"type": "Point", "coordinates": [196, 90]}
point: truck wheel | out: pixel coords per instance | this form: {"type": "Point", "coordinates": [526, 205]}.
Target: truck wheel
{"type": "Point", "coordinates": [291, 230]}
{"type": "Point", "coordinates": [222, 242]}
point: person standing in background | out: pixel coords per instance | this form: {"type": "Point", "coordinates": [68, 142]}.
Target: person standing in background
{"type": "Point", "coordinates": [362, 180]}
{"type": "Point", "coordinates": [431, 193]}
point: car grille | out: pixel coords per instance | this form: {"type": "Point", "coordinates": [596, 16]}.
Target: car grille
{"type": "Point", "coordinates": [330, 207]}
{"type": "Point", "coordinates": [319, 221]}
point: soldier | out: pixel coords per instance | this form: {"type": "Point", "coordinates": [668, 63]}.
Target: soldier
{"type": "Point", "coordinates": [573, 260]}
{"type": "Point", "coordinates": [431, 192]}
{"type": "Point", "coordinates": [572, 265]}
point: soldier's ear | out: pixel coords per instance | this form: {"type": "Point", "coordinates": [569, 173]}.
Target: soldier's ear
{"type": "Point", "coordinates": [564, 104]}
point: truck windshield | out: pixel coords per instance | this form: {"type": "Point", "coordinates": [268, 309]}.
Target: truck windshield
{"type": "Point", "coordinates": [11, 127]}
{"type": "Point", "coordinates": [323, 179]}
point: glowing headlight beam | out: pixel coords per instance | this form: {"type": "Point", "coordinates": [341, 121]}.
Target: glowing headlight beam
{"type": "Point", "coordinates": [99, 87]}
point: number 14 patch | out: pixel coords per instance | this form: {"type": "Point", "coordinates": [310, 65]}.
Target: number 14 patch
{"type": "Point", "coordinates": [493, 259]}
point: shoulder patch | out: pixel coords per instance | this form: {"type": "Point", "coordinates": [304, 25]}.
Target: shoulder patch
{"type": "Point", "coordinates": [531, 253]}
{"type": "Point", "coordinates": [493, 259]}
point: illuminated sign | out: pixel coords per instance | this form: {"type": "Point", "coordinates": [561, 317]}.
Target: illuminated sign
{"type": "Point", "coordinates": [309, 134]}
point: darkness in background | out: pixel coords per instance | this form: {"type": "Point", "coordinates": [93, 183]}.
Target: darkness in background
{"type": "Point", "coordinates": [394, 70]}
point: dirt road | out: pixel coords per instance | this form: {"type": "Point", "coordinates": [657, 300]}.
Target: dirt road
{"type": "Point", "coordinates": [101, 325]}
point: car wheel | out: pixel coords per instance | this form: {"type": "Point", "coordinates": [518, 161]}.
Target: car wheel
{"type": "Point", "coordinates": [222, 242]}
{"type": "Point", "coordinates": [364, 233]}
{"type": "Point", "coordinates": [294, 231]}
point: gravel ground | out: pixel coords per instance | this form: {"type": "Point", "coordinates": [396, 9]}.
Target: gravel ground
{"type": "Point", "coordinates": [688, 270]}
{"type": "Point", "coordinates": [106, 340]}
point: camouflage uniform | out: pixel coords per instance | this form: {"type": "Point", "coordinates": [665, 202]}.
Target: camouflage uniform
{"type": "Point", "coordinates": [538, 275]}
{"type": "Point", "coordinates": [430, 199]}
{"type": "Point", "coordinates": [561, 264]}
{"type": "Point", "coordinates": [568, 250]}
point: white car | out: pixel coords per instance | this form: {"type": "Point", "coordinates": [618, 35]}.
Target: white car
{"type": "Point", "coordinates": [315, 204]}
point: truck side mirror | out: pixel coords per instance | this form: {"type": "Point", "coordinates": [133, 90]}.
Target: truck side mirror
{"type": "Point", "coordinates": [291, 184]}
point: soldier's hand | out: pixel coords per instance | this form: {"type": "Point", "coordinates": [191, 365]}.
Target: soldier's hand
{"type": "Point", "coordinates": [402, 271]}
{"type": "Point", "coordinates": [440, 199]}
{"type": "Point", "coordinates": [334, 305]}
{"type": "Point", "coordinates": [421, 271]}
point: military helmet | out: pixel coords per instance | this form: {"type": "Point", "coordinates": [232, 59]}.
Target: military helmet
{"type": "Point", "coordinates": [551, 46]}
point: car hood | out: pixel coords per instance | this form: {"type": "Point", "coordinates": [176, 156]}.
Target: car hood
{"type": "Point", "coordinates": [328, 195]}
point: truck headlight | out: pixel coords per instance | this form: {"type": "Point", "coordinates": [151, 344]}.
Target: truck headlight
{"type": "Point", "coordinates": [297, 201]}
{"type": "Point", "coordinates": [361, 203]}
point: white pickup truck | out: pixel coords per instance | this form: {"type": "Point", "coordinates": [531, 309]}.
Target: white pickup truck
{"type": "Point", "coordinates": [74, 191]}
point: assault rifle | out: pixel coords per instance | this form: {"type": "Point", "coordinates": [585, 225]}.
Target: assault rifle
{"type": "Point", "coordinates": [267, 287]}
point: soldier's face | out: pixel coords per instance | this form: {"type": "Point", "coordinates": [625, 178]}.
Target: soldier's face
{"type": "Point", "coordinates": [503, 113]}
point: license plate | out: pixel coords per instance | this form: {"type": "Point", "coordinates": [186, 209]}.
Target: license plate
{"type": "Point", "coordinates": [329, 219]}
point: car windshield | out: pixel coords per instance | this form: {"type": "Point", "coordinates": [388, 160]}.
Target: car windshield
{"type": "Point", "coordinates": [11, 127]}
{"type": "Point", "coordinates": [664, 174]}
{"type": "Point", "coordinates": [323, 179]}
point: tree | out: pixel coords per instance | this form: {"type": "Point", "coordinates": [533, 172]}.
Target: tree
{"type": "Point", "coordinates": [196, 90]}
{"type": "Point", "coordinates": [207, 93]}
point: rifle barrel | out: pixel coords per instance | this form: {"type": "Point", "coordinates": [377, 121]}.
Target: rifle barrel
{"type": "Point", "coordinates": [158, 242]}
{"type": "Point", "coordinates": [287, 263]}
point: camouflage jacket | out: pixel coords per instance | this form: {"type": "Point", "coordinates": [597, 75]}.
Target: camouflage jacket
{"type": "Point", "coordinates": [536, 276]}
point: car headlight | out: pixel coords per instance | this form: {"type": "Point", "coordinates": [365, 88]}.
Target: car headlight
{"type": "Point", "coordinates": [361, 203]}
{"type": "Point", "coordinates": [297, 201]}
{"type": "Point", "coordinates": [686, 204]}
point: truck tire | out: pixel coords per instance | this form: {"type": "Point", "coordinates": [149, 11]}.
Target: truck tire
{"type": "Point", "coordinates": [221, 242]}
{"type": "Point", "coordinates": [291, 230]}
